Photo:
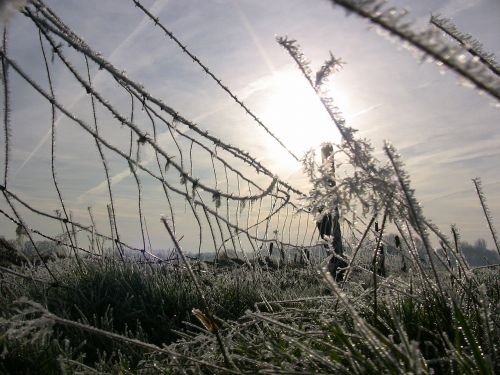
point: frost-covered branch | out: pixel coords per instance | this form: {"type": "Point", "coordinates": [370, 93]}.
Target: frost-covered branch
{"type": "Point", "coordinates": [429, 41]}
{"type": "Point", "coordinates": [471, 44]}
{"type": "Point", "coordinates": [487, 214]}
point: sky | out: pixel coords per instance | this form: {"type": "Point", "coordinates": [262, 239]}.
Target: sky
{"type": "Point", "coordinates": [446, 132]}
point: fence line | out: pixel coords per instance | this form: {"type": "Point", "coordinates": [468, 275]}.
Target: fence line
{"type": "Point", "coordinates": [230, 209]}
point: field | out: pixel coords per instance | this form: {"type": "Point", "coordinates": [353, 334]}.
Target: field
{"type": "Point", "coordinates": [117, 317]}
{"type": "Point", "coordinates": [350, 277]}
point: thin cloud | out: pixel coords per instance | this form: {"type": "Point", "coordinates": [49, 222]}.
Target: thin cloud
{"type": "Point", "coordinates": [253, 35]}
{"type": "Point", "coordinates": [157, 7]}
{"type": "Point", "coordinates": [150, 157]}
{"type": "Point", "coordinates": [103, 186]}
{"type": "Point", "coordinates": [363, 111]}
{"type": "Point", "coordinates": [462, 192]}
{"type": "Point", "coordinates": [454, 7]}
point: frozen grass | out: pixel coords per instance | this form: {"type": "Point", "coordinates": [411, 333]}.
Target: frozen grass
{"type": "Point", "coordinates": [415, 332]}
{"type": "Point", "coordinates": [287, 321]}
{"type": "Point", "coordinates": [137, 301]}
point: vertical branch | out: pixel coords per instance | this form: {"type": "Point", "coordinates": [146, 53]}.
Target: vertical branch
{"type": "Point", "coordinates": [365, 233]}
{"type": "Point", "coordinates": [231, 238]}
{"type": "Point", "coordinates": [198, 221]}
{"type": "Point", "coordinates": [95, 240]}
{"type": "Point", "coordinates": [292, 216]}
{"type": "Point", "coordinates": [223, 242]}
{"type": "Point", "coordinates": [299, 213]}
{"type": "Point", "coordinates": [203, 299]}
{"type": "Point", "coordinates": [6, 104]}
{"type": "Point", "coordinates": [305, 233]}
{"type": "Point", "coordinates": [416, 216]}
{"type": "Point", "coordinates": [332, 218]}
{"type": "Point", "coordinates": [147, 234]}
{"type": "Point", "coordinates": [464, 265]}
{"type": "Point", "coordinates": [249, 208]}
{"type": "Point", "coordinates": [258, 219]}
{"type": "Point", "coordinates": [160, 169]}
{"type": "Point", "coordinates": [73, 229]}
{"type": "Point", "coordinates": [482, 199]}
{"type": "Point", "coordinates": [210, 227]}
{"type": "Point", "coordinates": [183, 180]}
{"type": "Point", "coordinates": [72, 240]}
{"type": "Point", "coordinates": [112, 229]}
{"type": "Point", "coordinates": [415, 256]}
{"type": "Point", "coordinates": [111, 206]}
{"type": "Point", "coordinates": [273, 202]}
{"type": "Point", "coordinates": [139, 198]}
{"type": "Point", "coordinates": [228, 216]}
{"type": "Point", "coordinates": [282, 232]}
{"type": "Point", "coordinates": [213, 167]}
{"type": "Point", "coordinates": [132, 102]}
{"type": "Point", "coordinates": [375, 265]}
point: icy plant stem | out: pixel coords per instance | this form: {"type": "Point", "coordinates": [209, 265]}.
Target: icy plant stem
{"type": "Point", "coordinates": [482, 199]}
{"type": "Point", "coordinates": [375, 266]}
{"type": "Point", "coordinates": [204, 301]}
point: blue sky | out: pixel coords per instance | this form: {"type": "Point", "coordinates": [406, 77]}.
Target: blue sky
{"type": "Point", "coordinates": [446, 133]}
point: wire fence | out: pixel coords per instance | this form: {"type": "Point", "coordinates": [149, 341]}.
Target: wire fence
{"type": "Point", "coordinates": [229, 200]}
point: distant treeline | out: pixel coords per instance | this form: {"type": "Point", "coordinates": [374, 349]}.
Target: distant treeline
{"type": "Point", "coordinates": [478, 254]}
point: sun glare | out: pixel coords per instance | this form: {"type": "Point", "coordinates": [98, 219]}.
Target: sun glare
{"type": "Point", "coordinates": [295, 115]}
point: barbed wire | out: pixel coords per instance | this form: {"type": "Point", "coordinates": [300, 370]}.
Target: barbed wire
{"type": "Point", "coordinates": [79, 45]}
{"type": "Point", "coordinates": [170, 34]}
{"type": "Point", "coordinates": [233, 211]}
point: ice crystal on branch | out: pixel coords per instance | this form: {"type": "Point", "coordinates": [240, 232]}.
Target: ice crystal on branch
{"type": "Point", "coordinates": [364, 179]}
{"type": "Point", "coordinates": [429, 41]}
{"type": "Point", "coordinates": [294, 50]}
{"type": "Point", "coordinates": [349, 175]}
{"type": "Point", "coordinates": [331, 65]}
{"type": "Point", "coordinates": [482, 198]}
{"type": "Point", "coordinates": [472, 45]}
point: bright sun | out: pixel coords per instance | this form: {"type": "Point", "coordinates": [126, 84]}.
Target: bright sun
{"type": "Point", "coordinates": [295, 115]}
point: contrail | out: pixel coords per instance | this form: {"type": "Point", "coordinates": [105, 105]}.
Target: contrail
{"type": "Point", "coordinates": [157, 7]}
{"type": "Point", "coordinates": [452, 8]}
{"type": "Point", "coordinates": [253, 35]}
{"type": "Point", "coordinates": [364, 111]}
{"type": "Point", "coordinates": [120, 176]}
{"type": "Point", "coordinates": [103, 186]}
